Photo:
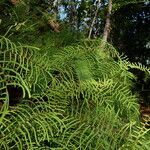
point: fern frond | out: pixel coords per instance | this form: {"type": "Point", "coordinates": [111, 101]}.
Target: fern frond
{"type": "Point", "coordinates": [77, 98]}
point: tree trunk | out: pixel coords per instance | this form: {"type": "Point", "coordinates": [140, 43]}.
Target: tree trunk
{"type": "Point", "coordinates": [73, 13]}
{"type": "Point", "coordinates": [107, 24]}
{"type": "Point", "coordinates": [94, 19]}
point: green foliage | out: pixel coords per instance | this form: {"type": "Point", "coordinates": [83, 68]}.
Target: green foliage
{"type": "Point", "coordinates": [63, 92]}
{"type": "Point", "coordinates": [76, 98]}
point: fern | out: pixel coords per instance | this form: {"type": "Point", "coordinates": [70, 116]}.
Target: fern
{"type": "Point", "coordinates": [77, 98]}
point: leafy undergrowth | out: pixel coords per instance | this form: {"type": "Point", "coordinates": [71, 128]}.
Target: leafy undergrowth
{"type": "Point", "coordinates": [77, 98]}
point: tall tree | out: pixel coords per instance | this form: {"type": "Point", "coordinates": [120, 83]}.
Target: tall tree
{"type": "Point", "coordinates": [108, 22]}
{"type": "Point", "coordinates": [94, 19]}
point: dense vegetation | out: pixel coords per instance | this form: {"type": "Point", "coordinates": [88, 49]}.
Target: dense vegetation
{"type": "Point", "coordinates": [61, 90]}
